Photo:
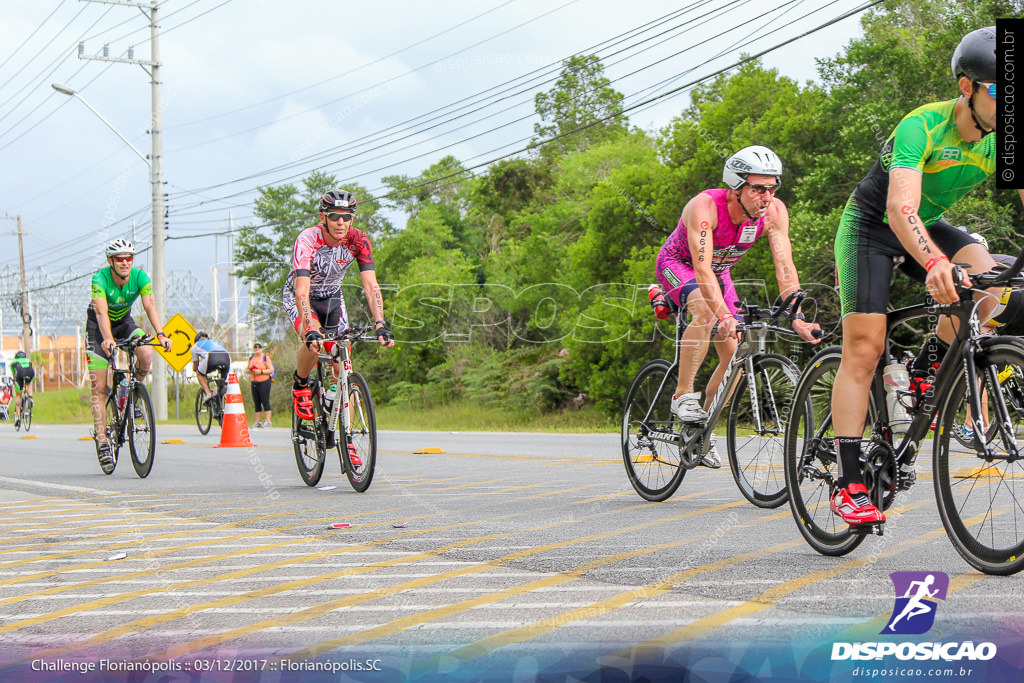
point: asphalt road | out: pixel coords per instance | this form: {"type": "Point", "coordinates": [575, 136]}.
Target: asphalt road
{"type": "Point", "coordinates": [505, 556]}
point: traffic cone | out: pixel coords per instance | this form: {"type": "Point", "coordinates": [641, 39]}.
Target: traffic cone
{"type": "Point", "coordinates": [235, 430]}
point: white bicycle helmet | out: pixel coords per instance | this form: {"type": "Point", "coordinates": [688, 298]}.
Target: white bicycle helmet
{"type": "Point", "coordinates": [120, 246]}
{"type": "Point", "coordinates": [753, 160]}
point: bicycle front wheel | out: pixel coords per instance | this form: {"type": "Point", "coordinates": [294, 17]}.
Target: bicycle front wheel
{"type": "Point", "coordinates": [811, 461]}
{"type": "Point", "coordinates": [204, 416]}
{"type": "Point", "coordinates": [981, 501]}
{"type": "Point", "coordinates": [141, 430]}
{"type": "Point", "coordinates": [362, 436]}
{"type": "Point", "coordinates": [756, 429]}
{"type": "Point", "coordinates": [650, 447]}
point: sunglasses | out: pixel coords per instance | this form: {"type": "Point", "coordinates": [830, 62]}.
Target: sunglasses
{"type": "Point", "coordinates": [339, 217]}
{"type": "Point", "coordinates": [127, 258]}
{"type": "Point", "coordinates": [991, 88]}
{"type": "Point", "coordinates": [762, 189]}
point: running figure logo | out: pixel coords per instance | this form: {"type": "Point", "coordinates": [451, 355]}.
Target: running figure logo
{"type": "Point", "coordinates": [917, 594]}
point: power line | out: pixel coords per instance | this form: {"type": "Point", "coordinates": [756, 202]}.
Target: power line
{"type": "Point", "coordinates": [341, 75]}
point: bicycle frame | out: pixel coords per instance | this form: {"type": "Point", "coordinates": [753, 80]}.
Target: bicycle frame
{"type": "Point", "coordinates": [967, 341]}
{"type": "Point", "coordinates": [752, 344]}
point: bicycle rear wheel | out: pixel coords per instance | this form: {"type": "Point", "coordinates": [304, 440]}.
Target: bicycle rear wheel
{"type": "Point", "coordinates": [26, 414]}
{"type": "Point", "coordinates": [141, 430]}
{"type": "Point", "coordinates": [757, 461]}
{"type": "Point", "coordinates": [362, 435]}
{"type": "Point", "coordinates": [811, 460]}
{"type": "Point", "coordinates": [204, 415]}
{"type": "Point", "coordinates": [310, 451]}
{"type": "Point", "coordinates": [981, 502]}
{"type": "Point", "coordinates": [650, 447]}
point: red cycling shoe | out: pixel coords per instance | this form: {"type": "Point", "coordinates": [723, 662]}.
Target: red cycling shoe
{"type": "Point", "coordinates": [353, 457]}
{"type": "Point", "coordinates": [302, 402]}
{"type": "Point", "coordinates": [854, 506]}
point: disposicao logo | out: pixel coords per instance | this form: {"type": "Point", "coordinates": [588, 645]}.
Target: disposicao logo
{"type": "Point", "coordinates": [917, 595]}
{"type": "Point", "coordinates": [916, 601]}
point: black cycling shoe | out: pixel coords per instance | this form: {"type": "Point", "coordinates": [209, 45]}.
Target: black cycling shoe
{"type": "Point", "coordinates": [106, 457]}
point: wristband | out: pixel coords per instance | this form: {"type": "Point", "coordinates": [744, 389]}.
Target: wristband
{"type": "Point", "coordinates": [160, 334]}
{"type": "Point", "coordinates": [931, 262]}
{"type": "Point", "coordinates": [727, 315]}
{"type": "Point", "coordinates": [380, 322]}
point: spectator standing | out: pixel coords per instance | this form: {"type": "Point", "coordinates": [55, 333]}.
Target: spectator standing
{"type": "Point", "coordinates": [261, 371]}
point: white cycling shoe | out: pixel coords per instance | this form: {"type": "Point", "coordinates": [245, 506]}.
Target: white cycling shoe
{"type": "Point", "coordinates": [687, 408]}
{"type": "Point", "coordinates": [711, 458]}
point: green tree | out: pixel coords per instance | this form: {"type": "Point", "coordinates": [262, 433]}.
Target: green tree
{"type": "Point", "coordinates": [581, 96]}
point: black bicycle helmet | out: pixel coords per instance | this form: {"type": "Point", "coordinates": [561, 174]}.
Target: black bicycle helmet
{"type": "Point", "coordinates": [201, 335]}
{"type": "Point", "coordinates": [338, 200]}
{"type": "Point", "coordinates": [975, 56]}
{"type": "Point", "coordinates": [21, 354]}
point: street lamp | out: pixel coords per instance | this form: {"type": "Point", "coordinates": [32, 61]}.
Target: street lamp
{"type": "Point", "coordinates": [156, 179]}
{"type": "Point", "coordinates": [71, 92]}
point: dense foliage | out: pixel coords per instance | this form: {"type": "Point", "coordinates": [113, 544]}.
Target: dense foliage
{"type": "Point", "coordinates": [526, 286]}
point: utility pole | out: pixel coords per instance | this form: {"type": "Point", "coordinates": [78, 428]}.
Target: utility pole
{"type": "Point", "coordinates": [26, 332]}
{"type": "Point", "coordinates": [157, 179]}
{"type": "Point", "coordinates": [232, 284]}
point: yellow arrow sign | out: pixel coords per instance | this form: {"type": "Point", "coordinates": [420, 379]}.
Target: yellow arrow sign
{"type": "Point", "coordinates": [182, 336]}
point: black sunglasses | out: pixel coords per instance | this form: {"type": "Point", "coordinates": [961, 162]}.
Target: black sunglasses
{"type": "Point", "coordinates": [339, 216]}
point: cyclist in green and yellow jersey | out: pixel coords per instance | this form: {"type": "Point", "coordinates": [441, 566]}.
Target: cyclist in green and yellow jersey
{"type": "Point", "coordinates": [108, 321]}
{"type": "Point", "coordinates": [936, 155]}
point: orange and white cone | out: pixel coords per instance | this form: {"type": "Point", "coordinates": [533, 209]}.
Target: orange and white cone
{"type": "Point", "coordinates": [235, 430]}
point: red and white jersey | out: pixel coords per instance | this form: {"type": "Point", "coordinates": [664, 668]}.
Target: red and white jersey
{"type": "Point", "coordinates": [326, 266]}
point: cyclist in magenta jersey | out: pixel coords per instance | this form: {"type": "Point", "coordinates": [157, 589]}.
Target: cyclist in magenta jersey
{"type": "Point", "coordinates": [716, 229]}
{"type": "Point", "coordinates": [936, 154]}
{"type": "Point", "coordinates": [312, 294]}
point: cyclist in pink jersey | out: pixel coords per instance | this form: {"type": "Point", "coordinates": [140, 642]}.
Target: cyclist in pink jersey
{"type": "Point", "coordinates": [716, 229]}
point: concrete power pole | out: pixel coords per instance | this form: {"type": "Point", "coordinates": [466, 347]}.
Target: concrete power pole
{"type": "Point", "coordinates": [26, 331]}
{"type": "Point", "coordinates": [156, 165]}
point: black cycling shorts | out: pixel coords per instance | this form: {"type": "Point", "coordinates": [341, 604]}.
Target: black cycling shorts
{"type": "Point", "coordinates": [122, 330]}
{"type": "Point", "coordinates": [23, 376]}
{"type": "Point", "coordinates": [867, 251]}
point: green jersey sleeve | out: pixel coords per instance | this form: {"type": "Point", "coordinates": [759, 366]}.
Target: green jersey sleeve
{"type": "Point", "coordinates": [911, 144]}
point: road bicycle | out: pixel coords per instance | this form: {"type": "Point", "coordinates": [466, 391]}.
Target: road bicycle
{"type": "Point", "coordinates": [130, 412]}
{"type": "Point", "coordinates": [979, 488]}
{"type": "Point", "coordinates": [347, 425]}
{"type": "Point", "coordinates": [24, 418]}
{"type": "Point", "coordinates": [658, 449]}
{"type": "Point", "coordinates": [213, 409]}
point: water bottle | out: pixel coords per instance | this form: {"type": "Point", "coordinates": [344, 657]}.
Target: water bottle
{"type": "Point", "coordinates": [896, 380]}
{"type": "Point", "coordinates": [122, 392]}
{"type": "Point", "coordinates": [330, 392]}
{"type": "Point", "coordinates": [658, 301]}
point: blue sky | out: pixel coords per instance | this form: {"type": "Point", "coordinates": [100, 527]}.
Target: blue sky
{"type": "Point", "coordinates": [254, 88]}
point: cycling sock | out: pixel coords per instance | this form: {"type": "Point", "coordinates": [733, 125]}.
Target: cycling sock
{"type": "Point", "coordinates": [299, 382]}
{"type": "Point", "coordinates": [848, 448]}
{"type": "Point", "coordinates": [932, 353]}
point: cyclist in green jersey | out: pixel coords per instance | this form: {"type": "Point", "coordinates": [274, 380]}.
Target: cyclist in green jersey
{"type": "Point", "coordinates": [23, 373]}
{"type": "Point", "coordinates": [936, 155]}
{"type": "Point", "coordinates": [108, 321]}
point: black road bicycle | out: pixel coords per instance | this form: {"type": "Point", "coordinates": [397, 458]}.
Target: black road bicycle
{"type": "Point", "coordinates": [979, 488]}
{"type": "Point", "coordinates": [343, 416]}
{"type": "Point", "coordinates": [130, 412]}
{"type": "Point", "coordinates": [213, 409]}
{"type": "Point", "coordinates": [24, 418]}
{"type": "Point", "coordinates": [658, 449]}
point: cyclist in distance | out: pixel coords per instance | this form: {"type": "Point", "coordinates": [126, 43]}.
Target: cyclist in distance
{"type": "Point", "coordinates": [716, 229]}
{"type": "Point", "coordinates": [208, 355]}
{"type": "Point", "coordinates": [312, 293]}
{"type": "Point", "coordinates": [108, 321]}
{"type": "Point", "coordinates": [937, 154]}
{"type": "Point", "coordinates": [24, 373]}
